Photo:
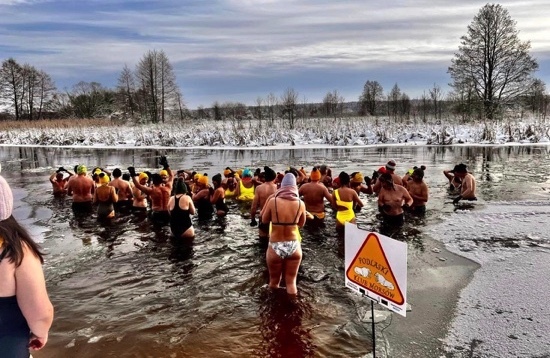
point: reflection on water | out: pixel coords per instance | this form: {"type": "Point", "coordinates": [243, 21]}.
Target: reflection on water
{"type": "Point", "coordinates": [124, 288]}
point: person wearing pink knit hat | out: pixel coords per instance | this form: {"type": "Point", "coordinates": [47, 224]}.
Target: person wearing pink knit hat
{"type": "Point", "coordinates": [26, 313]}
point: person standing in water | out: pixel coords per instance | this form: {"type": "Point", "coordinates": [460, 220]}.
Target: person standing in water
{"type": "Point", "coordinates": [123, 190]}
{"type": "Point", "coordinates": [314, 193]}
{"type": "Point", "coordinates": [159, 193]}
{"type": "Point", "coordinates": [263, 192]}
{"type": "Point", "coordinates": [392, 199]}
{"type": "Point", "coordinates": [454, 181]}
{"type": "Point", "coordinates": [468, 187]}
{"type": "Point", "coordinates": [418, 191]}
{"type": "Point", "coordinates": [26, 313]}
{"type": "Point", "coordinates": [287, 213]}
{"type": "Point", "coordinates": [59, 182]}
{"type": "Point", "coordinates": [105, 197]}
{"type": "Point", "coordinates": [218, 197]}
{"type": "Point", "coordinates": [344, 200]}
{"type": "Point", "coordinates": [82, 189]}
{"type": "Point", "coordinates": [181, 209]}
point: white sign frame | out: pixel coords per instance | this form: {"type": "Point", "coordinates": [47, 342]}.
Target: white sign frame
{"type": "Point", "coordinates": [395, 253]}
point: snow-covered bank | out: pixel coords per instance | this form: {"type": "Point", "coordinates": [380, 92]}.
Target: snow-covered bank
{"type": "Point", "coordinates": [503, 311]}
{"type": "Point", "coordinates": [266, 134]}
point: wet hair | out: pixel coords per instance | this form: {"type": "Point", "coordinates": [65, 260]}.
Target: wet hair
{"type": "Point", "coordinates": [156, 178]}
{"type": "Point", "coordinates": [217, 179]}
{"type": "Point", "coordinates": [125, 176]}
{"type": "Point", "coordinates": [344, 178]}
{"type": "Point", "coordinates": [418, 172]}
{"type": "Point", "coordinates": [461, 168]}
{"type": "Point", "coordinates": [386, 177]}
{"type": "Point", "coordinates": [117, 173]}
{"type": "Point", "coordinates": [269, 174]}
{"type": "Point", "coordinates": [257, 172]}
{"type": "Point", "coordinates": [292, 171]}
{"type": "Point", "coordinates": [181, 186]}
{"type": "Point", "coordinates": [15, 237]}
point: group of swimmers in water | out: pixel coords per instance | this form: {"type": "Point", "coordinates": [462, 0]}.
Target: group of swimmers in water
{"type": "Point", "coordinates": [280, 203]}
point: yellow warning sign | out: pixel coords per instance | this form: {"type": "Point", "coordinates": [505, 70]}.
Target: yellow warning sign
{"type": "Point", "coordinates": [370, 269]}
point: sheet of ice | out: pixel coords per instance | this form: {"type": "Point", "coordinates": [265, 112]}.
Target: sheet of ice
{"type": "Point", "coordinates": [503, 312]}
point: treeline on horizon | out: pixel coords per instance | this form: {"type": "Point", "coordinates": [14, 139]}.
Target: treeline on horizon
{"type": "Point", "coordinates": [491, 74]}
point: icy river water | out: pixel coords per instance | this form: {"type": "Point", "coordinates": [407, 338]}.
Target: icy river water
{"type": "Point", "coordinates": [126, 290]}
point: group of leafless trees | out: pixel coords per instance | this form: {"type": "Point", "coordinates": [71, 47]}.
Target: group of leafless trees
{"type": "Point", "coordinates": [491, 73]}
{"type": "Point", "coordinates": [148, 93]}
{"type": "Point", "coordinates": [29, 91]}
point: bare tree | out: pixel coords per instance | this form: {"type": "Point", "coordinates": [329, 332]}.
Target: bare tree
{"type": "Point", "coordinates": [372, 94]}
{"type": "Point", "coordinates": [272, 103]}
{"type": "Point", "coordinates": [436, 96]}
{"type": "Point", "coordinates": [126, 91]}
{"type": "Point", "coordinates": [157, 84]}
{"type": "Point", "coordinates": [394, 104]}
{"type": "Point", "coordinates": [493, 59]}
{"type": "Point", "coordinates": [289, 100]}
{"type": "Point", "coordinates": [11, 81]}
{"type": "Point", "coordinates": [259, 110]}
{"type": "Point", "coordinates": [25, 89]}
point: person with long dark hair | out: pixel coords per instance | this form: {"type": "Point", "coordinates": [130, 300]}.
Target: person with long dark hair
{"type": "Point", "coordinates": [26, 313]}
{"type": "Point", "coordinates": [181, 209]}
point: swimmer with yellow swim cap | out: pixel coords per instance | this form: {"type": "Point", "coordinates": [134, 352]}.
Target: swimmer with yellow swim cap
{"type": "Point", "coordinates": [201, 198]}
{"type": "Point", "coordinates": [139, 202]}
{"type": "Point", "coordinates": [356, 183]}
{"type": "Point", "coordinates": [159, 193]}
{"type": "Point", "coordinates": [105, 197]}
{"type": "Point", "coordinates": [82, 188]}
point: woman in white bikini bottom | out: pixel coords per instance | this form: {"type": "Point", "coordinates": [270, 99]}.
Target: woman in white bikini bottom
{"type": "Point", "coordinates": [285, 249]}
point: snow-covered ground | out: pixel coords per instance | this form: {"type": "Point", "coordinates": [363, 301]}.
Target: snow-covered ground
{"type": "Point", "coordinates": [311, 132]}
{"type": "Point", "coordinates": [503, 312]}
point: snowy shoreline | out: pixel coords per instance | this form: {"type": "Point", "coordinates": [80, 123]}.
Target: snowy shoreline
{"type": "Point", "coordinates": [253, 134]}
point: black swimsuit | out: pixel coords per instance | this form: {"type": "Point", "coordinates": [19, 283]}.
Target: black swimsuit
{"type": "Point", "coordinates": [180, 220]}
{"type": "Point", "coordinates": [221, 205]}
{"type": "Point", "coordinates": [283, 223]}
{"type": "Point", "coordinates": [14, 330]}
{"type": "Point", "coordinates": [204, 208]}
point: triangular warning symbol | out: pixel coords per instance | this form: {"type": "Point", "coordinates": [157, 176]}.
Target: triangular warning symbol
{"type": "Point", "coordinates": [371, 270]}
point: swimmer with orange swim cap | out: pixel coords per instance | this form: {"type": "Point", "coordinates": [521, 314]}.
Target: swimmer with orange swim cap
{"type": "Point", "coordinates": [314, 194]}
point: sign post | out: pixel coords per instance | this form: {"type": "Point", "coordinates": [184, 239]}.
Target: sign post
{"type": "Point", "coordinates": [376, 267]}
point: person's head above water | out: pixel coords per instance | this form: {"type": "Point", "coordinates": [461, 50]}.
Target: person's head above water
{"type": "Point", "coordinates": [288, 180]}
{"type": "Point", "coordinates": [269, 174]}
{"type": "Point", "coordinates": [6, 199]}
{"type": "Point", "coordinates": [181, 187]}
{"type": "Point", "coordinates": [390, 165]}
{"type": "Point", "coordinates": [344, 178]}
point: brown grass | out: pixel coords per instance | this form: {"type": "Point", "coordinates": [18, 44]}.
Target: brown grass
{"type": "Point", "coordinates": [56, 123]}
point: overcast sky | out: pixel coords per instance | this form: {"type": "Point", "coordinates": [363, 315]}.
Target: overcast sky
{"type": "Point", "coordinates": [239, 50]}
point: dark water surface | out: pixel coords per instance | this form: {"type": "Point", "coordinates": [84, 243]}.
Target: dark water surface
{"type": "Point", "coordinates": [125, 290]}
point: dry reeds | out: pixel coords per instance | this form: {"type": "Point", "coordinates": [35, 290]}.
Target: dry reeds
{"type": "Point", "coordinates": [56, 124]}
